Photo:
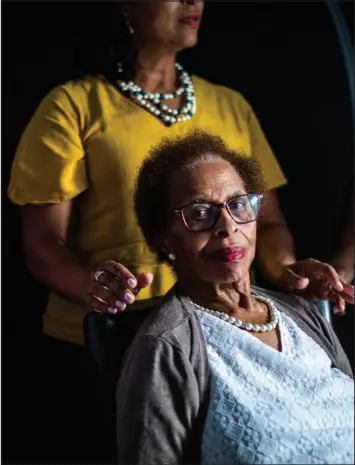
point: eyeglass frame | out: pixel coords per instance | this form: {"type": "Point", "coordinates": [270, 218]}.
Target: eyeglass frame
{"type": "Point", "coordinates": [219, 206]}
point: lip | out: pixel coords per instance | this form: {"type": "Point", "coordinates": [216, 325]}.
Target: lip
{"type": "Point", "coordinates": [233, 254]}
{"type": "Point", "coordinates": [192, 20]}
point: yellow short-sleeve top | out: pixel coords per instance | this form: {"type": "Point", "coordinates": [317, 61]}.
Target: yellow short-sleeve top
{"type": "Point", "coordinates": [86, 137]}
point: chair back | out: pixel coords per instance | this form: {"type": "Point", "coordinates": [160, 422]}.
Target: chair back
{"type": "Point", "coordinates": [107, 338]}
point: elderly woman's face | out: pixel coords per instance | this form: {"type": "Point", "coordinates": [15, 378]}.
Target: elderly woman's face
{"type": "Point", "coordinates": [170, 25]}
{"type": "Point", "coordinates": [223, 253]}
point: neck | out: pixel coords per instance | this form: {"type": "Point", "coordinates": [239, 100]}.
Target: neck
{"type": "Point", "coordinates": [156, 72]}
{"type": "Point", "coordinates": [228, 297]}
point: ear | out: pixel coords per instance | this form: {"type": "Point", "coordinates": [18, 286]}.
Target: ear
{"type": "Point", "coordinates": [165, 244]}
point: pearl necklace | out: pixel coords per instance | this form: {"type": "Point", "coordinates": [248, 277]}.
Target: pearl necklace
{"type": "Point", "coordinates": [153, 102]}
{"type": "Point", "coordinates": [274, 317]}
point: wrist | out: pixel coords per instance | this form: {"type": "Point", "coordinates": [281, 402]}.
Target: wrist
{"type": "Point", "coordinates": [344, 265]}
{"type": "Point", "coordinates": [344, 258]}
{"type": "Point", "coordinates": [72, 284]}
{"type": "Point", "coordinates": [275, 271]}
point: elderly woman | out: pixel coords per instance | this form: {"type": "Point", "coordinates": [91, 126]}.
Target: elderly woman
{"type": "Point", "coordinates": [224, 372]}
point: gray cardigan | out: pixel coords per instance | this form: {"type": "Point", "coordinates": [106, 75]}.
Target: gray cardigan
{"type": "Point", "coordinates": [163, 392]}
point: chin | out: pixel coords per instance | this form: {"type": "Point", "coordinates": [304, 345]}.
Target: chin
{"type": "Point", "coordinates": [187, 41]}
{"type": "Point", "coordinates": [191, 43]}
{"type": "Point", "coordinates": [228, 273]}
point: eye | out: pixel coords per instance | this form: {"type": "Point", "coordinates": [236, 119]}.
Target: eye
{"type": "Point", "coordinates": [198, 212]}
{"type": "Point", "coordinates": [238, 204]}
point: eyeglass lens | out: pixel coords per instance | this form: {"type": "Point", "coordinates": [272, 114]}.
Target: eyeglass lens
{"type": "Point", "coordinates": [203, 216]}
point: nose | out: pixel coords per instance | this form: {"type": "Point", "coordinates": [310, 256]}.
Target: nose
{"type": "Point", "coordinates": [225, 226]}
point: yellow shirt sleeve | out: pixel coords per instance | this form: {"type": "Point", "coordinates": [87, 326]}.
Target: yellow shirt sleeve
{"type": "Point", "coordinates": [262, 152]}
{"type": "Point", "coordinates": [49, 165]}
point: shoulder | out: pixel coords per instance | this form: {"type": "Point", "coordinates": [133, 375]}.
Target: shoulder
{"type": "Point", "coordinates": [222, 94]}
{"type": "Point", "coordinates": [174, 326]}
{"type": "Point", "coordinates": [295, 306]}
{"type": "Point", "coordinates": [171, 321]}
{"type": "Point", "coordinates": [76, 93]}
{"type": "Point", "coordinates": [309, 319]}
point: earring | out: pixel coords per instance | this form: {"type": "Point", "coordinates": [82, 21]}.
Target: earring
{"type": "Point", "coordinates": [172, 256]}
{"type": "Point", "coordinates": [129, 26]}
{"type": "Point", "coordinates": [119, 67]}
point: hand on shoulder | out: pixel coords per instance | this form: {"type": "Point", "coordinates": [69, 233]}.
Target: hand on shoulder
{"type": "Point", "coordinates": [316, 280]}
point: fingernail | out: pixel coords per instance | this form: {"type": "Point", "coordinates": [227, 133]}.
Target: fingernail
{"type": "Point", "coordinates": [131, 282]}
{"type": "Point", "coordinates": [112, 310]}
{"type": "Point", "coordinates": [338, 311]}
{"type": "Point", "coordinates": [150, 275]}
{"type": "Point", "coordinates": [120, 305]}
{"type": "Point", "coordinates": [128, 298]}
{"type": "Point", "coordinates": [340, 286]}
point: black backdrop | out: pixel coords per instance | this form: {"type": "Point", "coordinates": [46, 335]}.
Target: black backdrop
{"type": "Point", "coordinates": [284, 57]}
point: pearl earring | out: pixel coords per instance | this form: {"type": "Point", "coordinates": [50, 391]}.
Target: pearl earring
{"type": "Point", "coordinates": [130, 28]}
{"type": "Point", "coordinates": [172, 256]}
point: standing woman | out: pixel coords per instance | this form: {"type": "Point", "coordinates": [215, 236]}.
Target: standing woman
{"type": "Point", "coordinates": [82, 149]}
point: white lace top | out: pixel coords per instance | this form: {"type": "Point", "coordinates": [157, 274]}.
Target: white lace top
{"type": "Point", "coordinates": [271, 407]}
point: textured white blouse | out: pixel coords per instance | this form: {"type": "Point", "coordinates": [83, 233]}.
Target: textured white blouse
{"type": "Point", "coordinates": [273, 407]}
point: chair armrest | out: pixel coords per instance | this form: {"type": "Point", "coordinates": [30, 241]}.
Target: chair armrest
{"type": "Point", "coordinates": [325, 310]}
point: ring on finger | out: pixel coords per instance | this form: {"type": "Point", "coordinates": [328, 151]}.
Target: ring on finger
{"type": "Point", "coordinates": [96, 297]}
{"type": "Point", "coordinates": [97, 275]}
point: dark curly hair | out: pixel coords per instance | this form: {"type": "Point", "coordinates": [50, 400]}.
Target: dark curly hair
{"type": "Point", "coordinates": [106, 42]}
{"type": "Point", "coordinates": [152, 199]}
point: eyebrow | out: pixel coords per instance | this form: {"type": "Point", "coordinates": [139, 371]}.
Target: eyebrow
{"type": "Point", "coordinates": [201, 199]}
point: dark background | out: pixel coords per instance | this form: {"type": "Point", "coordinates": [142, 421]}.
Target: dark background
{"type": "Point", "coordinates": [283, 57]}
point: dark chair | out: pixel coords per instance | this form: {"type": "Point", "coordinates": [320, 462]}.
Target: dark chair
{"type": "Point", "coordinates": [106, 340]}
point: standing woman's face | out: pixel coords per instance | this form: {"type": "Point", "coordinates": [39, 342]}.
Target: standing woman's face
{"type": "Point", "coordinates": [166, 25]}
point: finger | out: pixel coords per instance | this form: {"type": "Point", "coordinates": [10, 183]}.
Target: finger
{"type": "Point", "coordinates": [321, 290]}
{"type": "Point", "coordinates": [119, 288]}
{"type": "Point", "coordinates": [120, 272]}
{"type": "Point", "coordinates": [104, 296]}
{"type": "Point", "coordinates": [294, 281]}
{"type": "Point", "coordinates": [127, 296]}
{"type": "Point", "coordinates": [332, 277]}
{"type": "Point", "coordinates": [98, 305]}
{"type": "Point", "coordinates": [144, 280]}
{"type": "Point", "coordinates": [339, 307]}
{"type": "Point", "coordinates": [316, 290]}
{"type": "Point", "coordinates": [324, 292]}
{"type": "Point", "coordinates": [348, 297]}
{"type": "Point", "coordinates": [102, 292]}
{"type": "Point", "coordinates": [348, 290]}
{"type": "Point", "coordinates": [112, 283]}
{"type": "Point", "coordinates": [347, 293]}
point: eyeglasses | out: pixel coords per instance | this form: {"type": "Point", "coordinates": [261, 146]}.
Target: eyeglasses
{"type": "Point", "coordinates": [203, 216]}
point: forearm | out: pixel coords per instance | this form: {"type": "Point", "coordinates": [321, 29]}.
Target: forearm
{"type": "Point", "coordinates": [346, 245]}
{"type": "Point", "coordinates": [343, 260]}
{"type": "Point", "coordinates": [55, 265]}
{"type": "Point", "coordinates": [275, 249]}
{"type": "Point", "coordinates": [274, 245]}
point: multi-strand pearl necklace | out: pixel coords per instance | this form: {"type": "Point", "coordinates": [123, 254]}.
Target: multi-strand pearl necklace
{"type": "Point", "coordinates": [154, 102]}
{"type": "Point", "coordinates": [274, 317]}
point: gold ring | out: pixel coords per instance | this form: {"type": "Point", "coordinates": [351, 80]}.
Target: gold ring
{"type": "Point", "coordinates": [96, 297]}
